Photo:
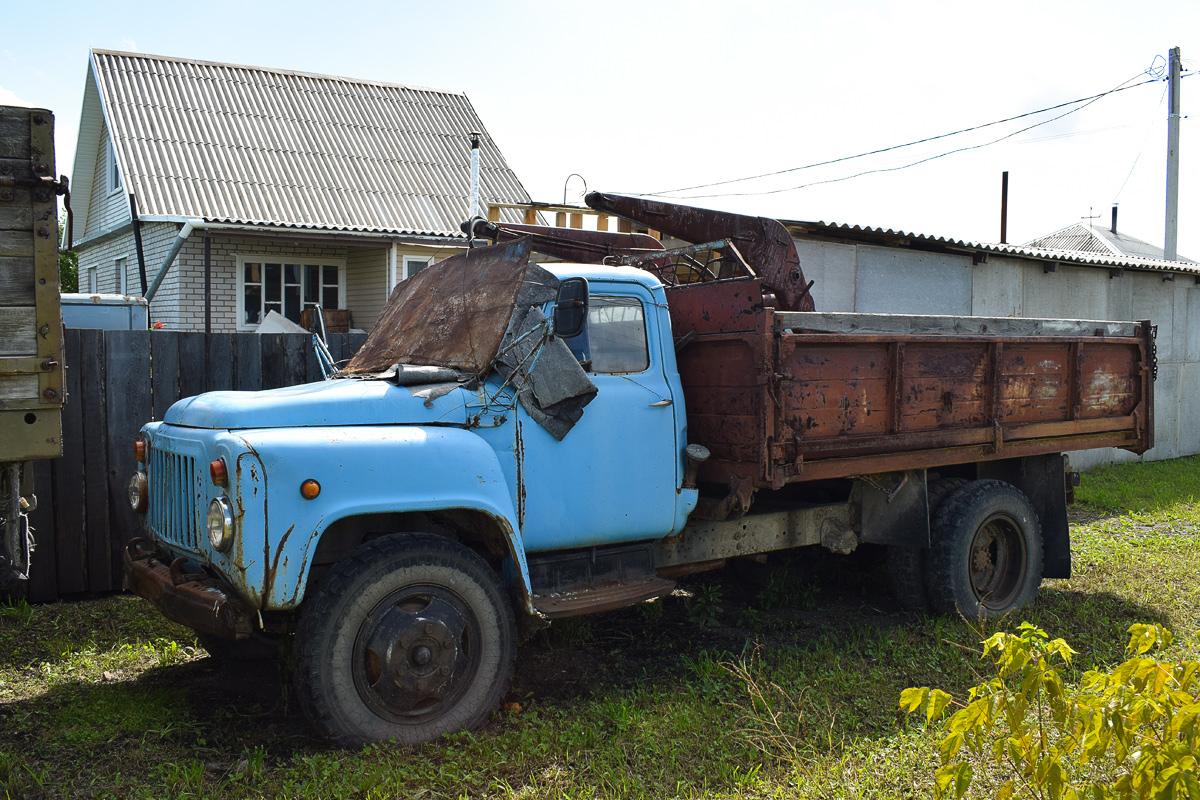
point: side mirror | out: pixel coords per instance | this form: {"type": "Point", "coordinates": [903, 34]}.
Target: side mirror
{"type": "Point", "coordinates": [571, 308]}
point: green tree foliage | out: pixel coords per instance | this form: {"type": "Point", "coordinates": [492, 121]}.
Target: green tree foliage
{"type": "Point", "coordinates": [68, 267]}
{"type": "Point", "coordinates": [1131, 732]}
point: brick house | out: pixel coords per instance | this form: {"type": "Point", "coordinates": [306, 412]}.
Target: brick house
{"type": "Point", "coordinates": [300, 188]}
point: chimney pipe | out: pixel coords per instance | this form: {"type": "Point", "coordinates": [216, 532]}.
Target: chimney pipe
{"type": "Point", "coordinates": [1114, 221]}
{"type": "Point", "coordinates": [1004, 208]}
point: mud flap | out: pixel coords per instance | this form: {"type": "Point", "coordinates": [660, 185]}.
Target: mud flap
{"type": "Point", "coordinates": [1043, 480]}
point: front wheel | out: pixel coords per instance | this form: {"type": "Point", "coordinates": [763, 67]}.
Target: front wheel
{"type": "Point", "coordinates": [409, 638]}
{"type": "Point", "coordinates": [985, 558]}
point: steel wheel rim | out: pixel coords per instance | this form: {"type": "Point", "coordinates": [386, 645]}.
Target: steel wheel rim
{"type": "Point", "coordinates": [416, 654]}
{"type": "Point", "coordinates": [996, 561]}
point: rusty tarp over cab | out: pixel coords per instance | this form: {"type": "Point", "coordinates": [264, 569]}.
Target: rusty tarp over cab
{"type": "Point", "coordinates": [780, 397]}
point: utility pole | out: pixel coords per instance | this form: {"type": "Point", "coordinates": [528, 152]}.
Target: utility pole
{"type": "Point", "coordinates": [1171, 239]}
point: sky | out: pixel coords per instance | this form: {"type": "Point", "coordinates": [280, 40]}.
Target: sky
{"type": "Point", "coordinates": [650, 96]}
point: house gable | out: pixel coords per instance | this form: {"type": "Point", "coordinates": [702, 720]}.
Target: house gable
{"type": "Point", "coordinates": [247, 145]}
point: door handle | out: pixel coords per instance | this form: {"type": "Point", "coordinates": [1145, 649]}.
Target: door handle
{"type": "Point", "coordinates": [661, 404]}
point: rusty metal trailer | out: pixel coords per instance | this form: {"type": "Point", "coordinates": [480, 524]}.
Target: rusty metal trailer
{"type": "Point", "coordinates": [779, 396]}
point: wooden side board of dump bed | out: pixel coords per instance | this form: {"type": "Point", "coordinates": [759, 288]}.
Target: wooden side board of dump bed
{"type": "Point", "coordinates": [780, 397]}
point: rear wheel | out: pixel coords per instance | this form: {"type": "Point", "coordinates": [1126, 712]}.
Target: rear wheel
{"type": "Point", "coordinates": [906, 565]}
{"type": "Point", "coordinates": [409, 638]}
{"type": "Point", "coordinates": [985, 559]}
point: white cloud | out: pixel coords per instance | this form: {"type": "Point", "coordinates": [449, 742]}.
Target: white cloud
{"type": "Point", "coordinates": [127, 43]}
{"type": "Point", "coordinates": [8, 98]}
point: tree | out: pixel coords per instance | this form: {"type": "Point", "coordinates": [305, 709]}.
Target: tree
{"type": "Point", "coordinates": [68, 266]}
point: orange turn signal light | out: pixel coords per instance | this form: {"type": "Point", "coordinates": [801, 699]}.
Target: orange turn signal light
{"type": "Point", "coordinates": [139, 451]}
{"type": "Point", "coordinates": [220, 475]}
{"type": "Point", "coordinates": [310, 489]}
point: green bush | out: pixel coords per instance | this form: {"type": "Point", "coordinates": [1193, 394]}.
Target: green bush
{"type": "Point", "coordinates": [1131, 732]}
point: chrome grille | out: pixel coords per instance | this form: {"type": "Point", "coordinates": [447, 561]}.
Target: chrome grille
{"type": "Point", "coordinates": [174, 512]}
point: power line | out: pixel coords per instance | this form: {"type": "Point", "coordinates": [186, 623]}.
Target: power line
{"type": "Point", "coordinates": [1085, 100]}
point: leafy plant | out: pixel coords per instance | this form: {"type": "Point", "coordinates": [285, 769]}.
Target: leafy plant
{"type": "Point", "coordinates": [1130, 732]}
{"type": "Point", "coordinates": [68, 266]}
{"type": "Point", "coordinates": [704, 606]}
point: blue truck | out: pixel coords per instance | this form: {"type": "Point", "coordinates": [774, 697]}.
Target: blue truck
{"type": "Point", "coordinates": [519, 442]}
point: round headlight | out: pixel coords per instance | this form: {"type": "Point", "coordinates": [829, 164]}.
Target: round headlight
{"type": "Point", "coordinates": [138, 492]}
{"type": "Point", "coordinates": [220, 524]}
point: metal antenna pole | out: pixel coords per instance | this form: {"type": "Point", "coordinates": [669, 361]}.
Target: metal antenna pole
{"type": "Point", "coordinates": [1171, 239]}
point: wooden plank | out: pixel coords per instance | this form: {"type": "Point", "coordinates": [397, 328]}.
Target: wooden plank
{"type": "Point", "coordinates": [219, 360]}
{"type": "Point", "coordinates": [272, 360]}
{"type": "Point", "coordinates": [16, 218]}
{"type": "Point", "coordinates": [14, 132]}
{"type": "Point", "coordinates": [18, 331]}
{"type": "Point", "coordinates": [16, 280]}
{"type": "Point", "coordinates": [127, 387]}
{"type": "Point", "coordinates": [192, 367]}
{"type": "Point", "coordinates": [164, 352]}
{"type": "Point", "coordinates": [43, 574]}
{"type": "Point", "coordinates": [248, 362]}
{"type": "Point", "coordinates": [920, 324]}
{"type": "Point", "coordinates": [312, 365]}
{"type": "Point", "coordinates": [16, 244]}
{"type": "Point", "coordinates": [296, 347]}
{"type": "Point", "coordinates": [95, 461]}
{"type": "Point", "coordinates": [68, 479]}
{"type": "Point", "coordinates": [354, 343]}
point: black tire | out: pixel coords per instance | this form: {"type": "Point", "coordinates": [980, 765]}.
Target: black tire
{"type": "Point", "coordinates": [409, 638]}
{"type": "Point", "coordinates": [259, 647]}
{"type": "Point", "coordinates": [986, 555]}
{"type": "Point", "coordinates": [906, 565]}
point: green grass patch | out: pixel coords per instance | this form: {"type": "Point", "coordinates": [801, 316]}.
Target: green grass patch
{"type": "Point", "coordinates": [104, 698]}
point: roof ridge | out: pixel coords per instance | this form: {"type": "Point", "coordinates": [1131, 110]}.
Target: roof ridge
{"type": "Point", "coordinates": [275, 71]}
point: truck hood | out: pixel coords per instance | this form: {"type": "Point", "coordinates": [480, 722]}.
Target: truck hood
{"type": "Point", "coordinates": [328, 403]}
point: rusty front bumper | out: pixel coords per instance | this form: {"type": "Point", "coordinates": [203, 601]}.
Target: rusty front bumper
{"type": "Point", "coordinates": [196, 600]}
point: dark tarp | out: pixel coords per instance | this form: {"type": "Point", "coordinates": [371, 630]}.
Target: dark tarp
{"type": "Point", "coordinates": [474, 312]}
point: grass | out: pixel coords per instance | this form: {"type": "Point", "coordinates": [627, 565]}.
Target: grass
{"type": "Point", "coordinates": [780, 685]}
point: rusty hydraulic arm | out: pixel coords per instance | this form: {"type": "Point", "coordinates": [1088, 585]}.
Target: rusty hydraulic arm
{"type": "Point", "coordinates": [763, 242]}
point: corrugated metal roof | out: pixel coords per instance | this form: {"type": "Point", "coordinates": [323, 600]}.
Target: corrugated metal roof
{"type": "Point", "coordinates": [239, 144]}
{"type": "Point", "coordinates": [1090, 239]}
{"type": "Point", "coordinates": [903, 238]}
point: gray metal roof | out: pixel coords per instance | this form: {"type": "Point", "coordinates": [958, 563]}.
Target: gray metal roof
{"type": "Point", "coordinates": [889, 237]}
{"type": "Point", "coordinates": [239, 144]}
{"type": "Point", "coordinates": [1091, 239]}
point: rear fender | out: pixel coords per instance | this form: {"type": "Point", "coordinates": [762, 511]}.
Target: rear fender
{"type": "Point", "coordinates": [370, 471]}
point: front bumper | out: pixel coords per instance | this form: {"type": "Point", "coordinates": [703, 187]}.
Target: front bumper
{"type": "Point", "coordinates": [197, 600]}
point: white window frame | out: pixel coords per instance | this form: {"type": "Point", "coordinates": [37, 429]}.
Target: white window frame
{"type": "Point", "coordinates": [425, 261]}
{"type": "Point", "coordinates": [276, 258]}
{"type": "Point", "coordinates": [112, 175]}
{"type": "Point", "coordinates": [121, 270]}
{"type": "Point", "coordinates": [398, 269]}
{"type": "Point", "coordinates": [93, 279]}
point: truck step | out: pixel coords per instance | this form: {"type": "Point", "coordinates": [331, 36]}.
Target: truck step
{"type": "Point", "coordinates": [602, 598]}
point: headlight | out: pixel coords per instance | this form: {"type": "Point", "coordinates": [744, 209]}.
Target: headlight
{"type": "Point", "coordinates": [138, 492]}
{"type": "Point", "coordinates": [220, 524]}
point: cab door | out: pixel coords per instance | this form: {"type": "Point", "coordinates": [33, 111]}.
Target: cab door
{"type": "Point", "coordinates": [613, 478]}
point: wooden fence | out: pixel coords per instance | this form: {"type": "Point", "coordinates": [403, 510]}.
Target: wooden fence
{"type": "Point", "coordinates": [116, 381]}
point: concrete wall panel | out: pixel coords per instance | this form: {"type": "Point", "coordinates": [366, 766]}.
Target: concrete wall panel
{"type": "Point", "coordinates": [1120, 297]}
{"type": "Point", "coordinates": [911, 282]}
{"type": "Point", "coordinates": [1069, 293]}
{"type": "Point", "coordinates": [832, 267]}
{"type": "Point", "coordinates": [996, 288]}
{"type": "Point", "coordinates": [1154, 299]}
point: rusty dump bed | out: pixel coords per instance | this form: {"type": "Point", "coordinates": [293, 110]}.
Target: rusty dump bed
{"type": "Point", "coordinates": [780, 397]}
